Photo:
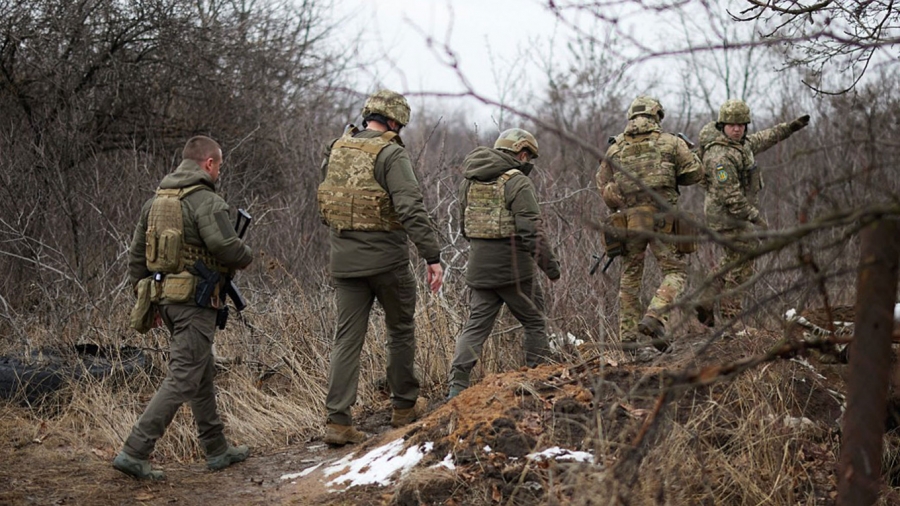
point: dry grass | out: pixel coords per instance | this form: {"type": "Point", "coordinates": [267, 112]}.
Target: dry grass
{"type": "Point", "coordinates": [724, 444]}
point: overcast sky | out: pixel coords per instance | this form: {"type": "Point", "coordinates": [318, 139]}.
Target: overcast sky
{"type": "Point", "coordinates": [486, 36]}
{"type": "Point", "coordinates": [493, 39]}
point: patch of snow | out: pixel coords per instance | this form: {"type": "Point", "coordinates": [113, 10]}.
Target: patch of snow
{"type": "Point", "coordinates": [801, 423]}
{"type": "Point", "coordinates": [447, 462]}
{"type": "Point", "coordinates": [558, 342]}
{"type": "Point", "coordinates": [378, 466]}
{"type": "Point", "coordinates": [558, 453]}
{"type": "Point", "coordinates": [487, 449]}
{"type": "Point", "coordinates": [805, 363]}
{"type": "Point", "coordinates": [301, 473]}
{"type": "Point", "coordinates": [790, 314]}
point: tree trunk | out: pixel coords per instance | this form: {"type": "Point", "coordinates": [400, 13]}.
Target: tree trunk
{"type": "Point", "coordinates": [859, 473]}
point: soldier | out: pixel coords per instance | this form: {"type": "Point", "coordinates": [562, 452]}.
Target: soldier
{"type": "Point", "coordinates": [184, 223]}
{"type": "Point", "coordinates": [502, 221]}
{"type": "Point", "coordinates": [370, 199]}
{"type": "Point", "coordinates": [732, 182]}
{"type": "Point", "coordinates": [642, 170]}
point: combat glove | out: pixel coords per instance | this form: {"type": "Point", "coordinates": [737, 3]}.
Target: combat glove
{"type": "Point", "coordinates": [799, 123]}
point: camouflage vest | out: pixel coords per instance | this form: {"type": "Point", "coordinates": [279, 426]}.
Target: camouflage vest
{"type": "Point", "coordinates": [649, 159]}
{"type": "Point", "coordinates": [165, 248]}
{"type": "Point", "coordinates": [350, 198]}
{"type": "Point", "coordinates": [486, 215]}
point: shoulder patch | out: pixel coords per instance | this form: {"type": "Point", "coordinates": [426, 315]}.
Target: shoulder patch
{"type": "Point", "coordinates": [721, 173]}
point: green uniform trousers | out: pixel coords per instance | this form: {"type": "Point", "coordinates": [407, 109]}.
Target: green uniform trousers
{"type": "Point", "coordinates": [396, 292]}
{"type": "Point", "coordinates": [190, 379]}
{"type": "Point", "coordinates": [525, 301]}
{"type": "Point", "coordinates": [674, 269]}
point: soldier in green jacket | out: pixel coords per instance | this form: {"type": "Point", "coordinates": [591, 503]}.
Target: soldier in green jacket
{"type": "Point", "coordinates": [185, 222]}
{"type": "Point", "coordinates": [502, 221]}
{"type": "Point", "coordinates": [639, 178]}
{"type": "Point", "coordinates": [732, 182]}
{"type": "Point", "coordinates": [371, 201]}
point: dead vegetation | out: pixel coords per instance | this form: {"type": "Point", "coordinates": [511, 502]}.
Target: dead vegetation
{"type": "Point", "coordinates": [769, 435]}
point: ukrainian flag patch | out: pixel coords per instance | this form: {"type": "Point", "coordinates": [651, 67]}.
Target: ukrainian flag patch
{"type": "Point", "coordinates": [721, 173]}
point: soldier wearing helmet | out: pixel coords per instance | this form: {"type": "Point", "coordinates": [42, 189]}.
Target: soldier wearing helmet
{"type": "Point", "coordinates": [502, 221]}
{"type": "Point", "coordinates": [371, 201]}
{"type": "Point", "coordinates": [732, 182]}
{"type": "Point", "coordinates": [638, 180]}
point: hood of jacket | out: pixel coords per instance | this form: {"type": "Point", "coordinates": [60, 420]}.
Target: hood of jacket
{"type": "Point", "coordinates": [487, 164]}
{"type": "Point", "coordinates": [189, 173]}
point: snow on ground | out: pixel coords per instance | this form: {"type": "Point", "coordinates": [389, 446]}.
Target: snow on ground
{"type": "Point", "coordinates": [302, 473]}
{"type": "Point", "coordinates": [558, 453]}
{"type": "Point", "coordinates": [384, 464]}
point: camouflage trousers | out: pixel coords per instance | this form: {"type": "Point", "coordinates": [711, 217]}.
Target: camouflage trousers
{"type": "Point", "coordinates": [189, 380]}
{"type": "Point", "coordinates": [674, 269]}
{"type": "Point", "coordinates": [396, 292]}
{"type": "Point", "coordinates": [731, 301]}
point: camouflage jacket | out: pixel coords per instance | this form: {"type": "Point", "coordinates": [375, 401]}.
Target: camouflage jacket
{"type": "Point", "coordinates": [660, 161]}
{"type": "Point", "coordinates": [733, 180]}
{"type": "Point", "coordinates": [501, 262]}
{"type": "Point", "coordinates": [357, 253]}
{"type": "Point", "coordinates": [207, 223]}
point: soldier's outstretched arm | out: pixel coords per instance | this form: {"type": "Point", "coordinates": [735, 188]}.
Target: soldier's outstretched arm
{"type": "Point", "coordinates": [765, 139]}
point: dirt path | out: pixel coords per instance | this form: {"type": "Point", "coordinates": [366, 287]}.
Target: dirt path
{"type": "Point", "coordinates": [56, 471]}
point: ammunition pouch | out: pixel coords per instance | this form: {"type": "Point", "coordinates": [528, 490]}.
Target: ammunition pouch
{"type": "Point", "coordinates": [164, 249]}
{"type": "Point", "coordinates": [640, 219]}
{"type": "Point", "coordinates": [687, 233]}
{"type": "Point", "coordinates": [178, 288]}
{"type": "Point", "coordinates": [143, 314]}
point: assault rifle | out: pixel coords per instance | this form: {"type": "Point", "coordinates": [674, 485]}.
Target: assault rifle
{"type": "Point", "coordinates": [597, 260]}
{"type": "Point", "coordinates": [690, 144]}
{"type": "Point", "coordinates": [613, 241]}
{"type": "Point", "coordinates": [209, 279]}
{"type": "Point", "coordinates": [231, 290]}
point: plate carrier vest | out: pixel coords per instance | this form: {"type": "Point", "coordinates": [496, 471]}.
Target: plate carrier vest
{"type": "Point", "coordinates": [165, 249]}
{"type": "Point", "coordinates": [350, 198]}
{"type": "Point", "coordinates": [646, 161]}
{"type": "Point", "coordinates": [486, 215]}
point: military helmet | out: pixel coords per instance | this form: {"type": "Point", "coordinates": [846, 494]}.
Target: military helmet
{"type": "Point", "coordinates": [646, 105]}
{"type": "Point", "coordinates": [389, 104]}
{"type": "Point", "coordinates": [515, 140]}
{"type": "Point", "coordinates": [734, 112]}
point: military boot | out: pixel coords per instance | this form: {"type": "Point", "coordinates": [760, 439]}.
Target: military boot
{"type": "Point", "coordinates": [342, 434]}
{"type": "Point", "coordinates": [454, 391]}
{"type": "Point", "coordinates": [459, 381]}
{"type": "Point", "coordinates": [405, 416]}
{"type": "Point", "coordinates": [231, 455]}
{"type": "Point", "coordinates": [654, 329]}
{"type": "Point", "coordinates": [137, 468]}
